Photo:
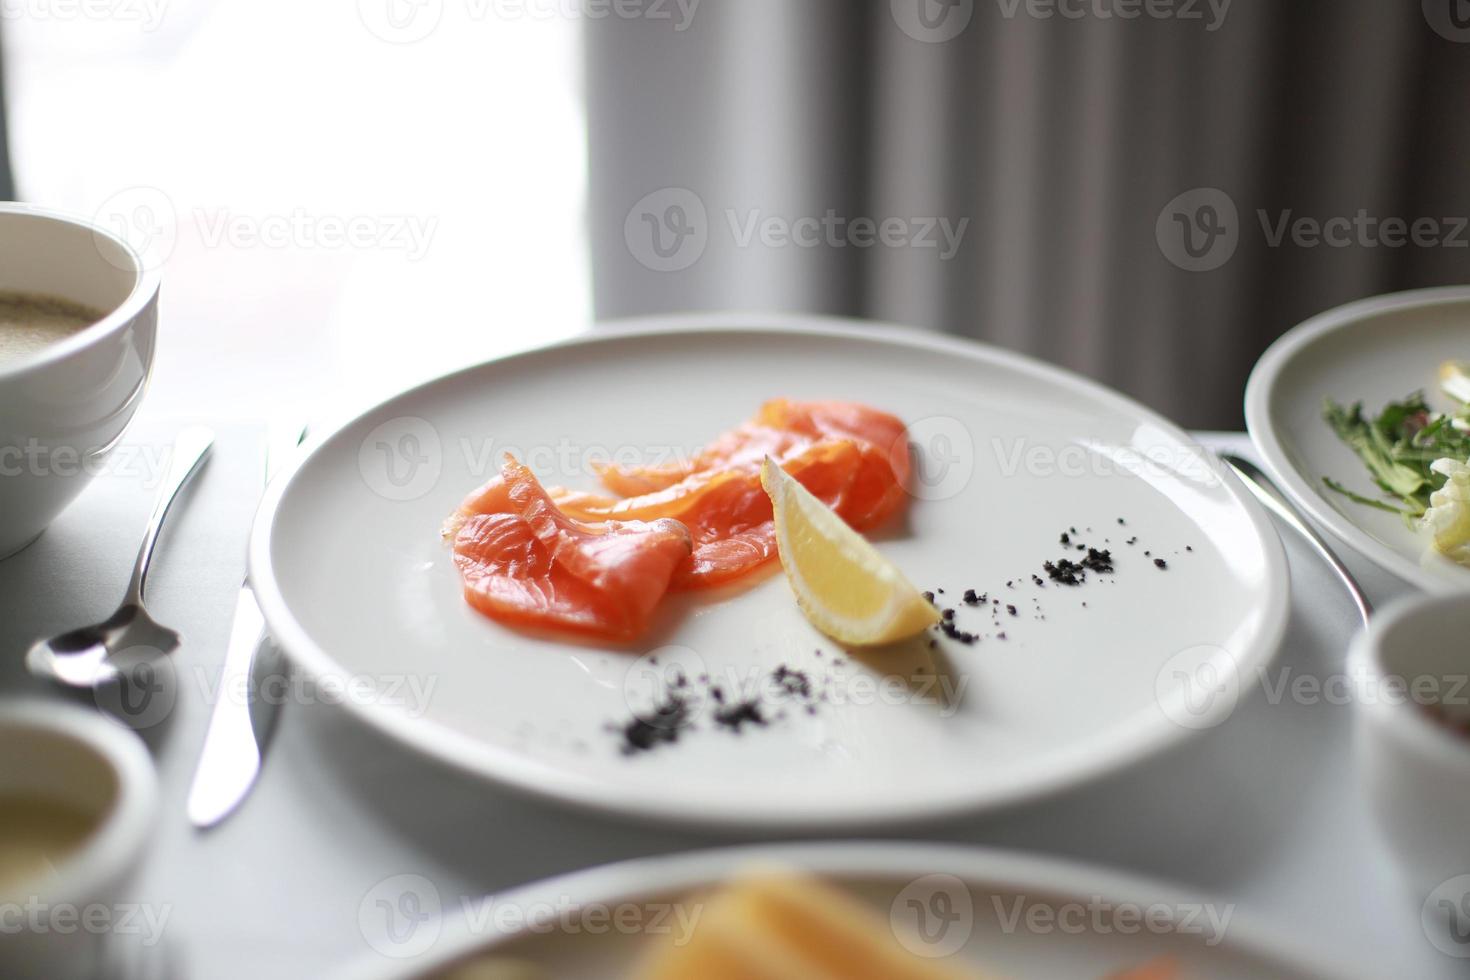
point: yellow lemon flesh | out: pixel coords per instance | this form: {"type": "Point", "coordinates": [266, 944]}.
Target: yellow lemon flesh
{"type": "Point", "coordinates": [844, 586]}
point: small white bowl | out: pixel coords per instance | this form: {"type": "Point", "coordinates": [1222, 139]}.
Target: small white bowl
{"type": "Point", "coordinates": [1414, 769]}
{"type": "Point", "coordinates": [64, 408]}
{"type": "Point", "coordinates": [76, 758]}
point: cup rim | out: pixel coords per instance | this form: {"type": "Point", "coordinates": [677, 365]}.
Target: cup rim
{"type": "Point", "coordinates": [118, 839]}
{"type": "Point", "coordinates": [1366, 665]}
{"type": "Point", "coordinates": [146, 281]}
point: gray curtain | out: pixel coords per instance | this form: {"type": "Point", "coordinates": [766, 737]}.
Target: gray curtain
{"type": "Point", "coordinates": [7, 183]}
{"type": "Point", "coordinates": [1065, 141]}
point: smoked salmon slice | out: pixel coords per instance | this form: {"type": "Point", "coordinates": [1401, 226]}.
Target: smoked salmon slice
{"type": "Point", "coordinates": [780, 426]}
{"type": "Point", "coordinates": [599, 564]}
{"type": "Point", "coordinates": [524, 562]}
{"type": "Point", "coordinates": [729, 515]}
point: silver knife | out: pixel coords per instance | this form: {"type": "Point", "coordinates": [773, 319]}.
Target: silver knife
{"type": "Point", "coordinates": [230, 760]}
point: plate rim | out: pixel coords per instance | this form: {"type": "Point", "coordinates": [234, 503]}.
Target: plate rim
{"type": "Point", "coordinates": [505, 769]}
{"type": "Point", "coordinates": [983, 866]}
{"type": "Point", "coordinates": [1262, 389]}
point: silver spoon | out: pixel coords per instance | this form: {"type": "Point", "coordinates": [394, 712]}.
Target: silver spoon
{"type": "Point", "coordinates": [1270, 494]}
{"type": "Point", "coordinates": [79, 658]}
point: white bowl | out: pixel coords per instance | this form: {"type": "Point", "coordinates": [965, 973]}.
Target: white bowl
{"type": "Point", "coordinates": [63, 408]}
{"type": "Point", "coordinates": [76, 758]}
{"type": "Point", "coordinates": [1415, 771]}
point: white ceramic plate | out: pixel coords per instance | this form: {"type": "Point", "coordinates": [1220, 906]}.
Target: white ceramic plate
{"type": "Point", "coordinates": [1012, 915]}
{"type": "Point", "coordinates": [357, 586]}
{"type": "Point", "coordinates": [1375, 351]}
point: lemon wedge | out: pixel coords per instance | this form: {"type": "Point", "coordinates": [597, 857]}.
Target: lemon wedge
{"type": "Point", "coordinates": [843, 585]}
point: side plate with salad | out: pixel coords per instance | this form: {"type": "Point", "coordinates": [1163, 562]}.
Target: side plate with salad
{"type": "Point", "coordinates": [1360, 413]}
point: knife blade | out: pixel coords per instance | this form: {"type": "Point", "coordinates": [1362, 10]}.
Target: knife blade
{"type": "Point", "coordinates": [233, 743]}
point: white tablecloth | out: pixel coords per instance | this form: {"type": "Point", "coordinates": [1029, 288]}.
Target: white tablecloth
{"type": "Point", "coordinates": [1262, 812]}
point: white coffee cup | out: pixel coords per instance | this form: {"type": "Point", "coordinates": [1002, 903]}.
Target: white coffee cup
{"type": "Point", "coordinates": [75, 921]}
{"type": "Point", "coordinates": [1413, 767]}
{"type": "Point", "coordinates": [63, 408]}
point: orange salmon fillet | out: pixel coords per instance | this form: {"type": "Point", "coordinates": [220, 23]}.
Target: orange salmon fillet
{"type": "Point", "coordinates": [523, 562]}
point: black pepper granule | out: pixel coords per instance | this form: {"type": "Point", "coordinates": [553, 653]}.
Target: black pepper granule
{"type": "Point", "coordinates": [955, 633]}
{"type": "Point", "coordinates": [664, 725]}
{"type": "Point", "coordinates": [737, 716]}
{"type": "Point", "coordinates": [1010, 609]}
{"type": "Point", "coordinates": [1160, 563]}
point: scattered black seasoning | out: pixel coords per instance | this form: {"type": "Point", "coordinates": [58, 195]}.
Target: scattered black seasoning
{"type": "Point", "coordinates": [1132, 540]}
{"type": "Point", "coordinates": [1066, 538]}
{"type": "Point", "coordinates": [1121, 521]}
{"type": "Point", "coordinates": [1010, 609]}
{"type": "Point", "coordinates": [793, 682]}
{"type": "Point", "coordinates": [947, 614]}
{"type": "Point", "coordinates": [668, 720]}
{"type": "Point", "coordinates": [737, 716]}
{"type": "Point", "coordinates": [1160, 563]}
{"type": "Point", "coordinates": [940, 591]}
{"type": "Point", "coordinates": [1036, 580]}
{"type": "Point", "coordinates": [1188, 547]}
{"type": "Point", "coordinates": [1001, 635]}
{"type": "Point", "coordinates": [1065, 572]}
{"type": "Point", "coordinates": [928, 597]}
{"type": "Point", "coordinates": [973, 598]}
{"type": "Point", "coordinates": [955, 633]}
{"type": "Point", "coordinates": [1098, 560]}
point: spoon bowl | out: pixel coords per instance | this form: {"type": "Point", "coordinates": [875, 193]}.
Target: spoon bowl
{"type": "Point", "coordinates": [82, 657]}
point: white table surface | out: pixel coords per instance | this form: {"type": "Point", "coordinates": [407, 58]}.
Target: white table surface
{"type": "Point", "coordinates": [1262, 812]}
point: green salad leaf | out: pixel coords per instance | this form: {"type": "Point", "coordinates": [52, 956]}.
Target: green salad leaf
{"type": "Point", "coordinates": [1398, 446]}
